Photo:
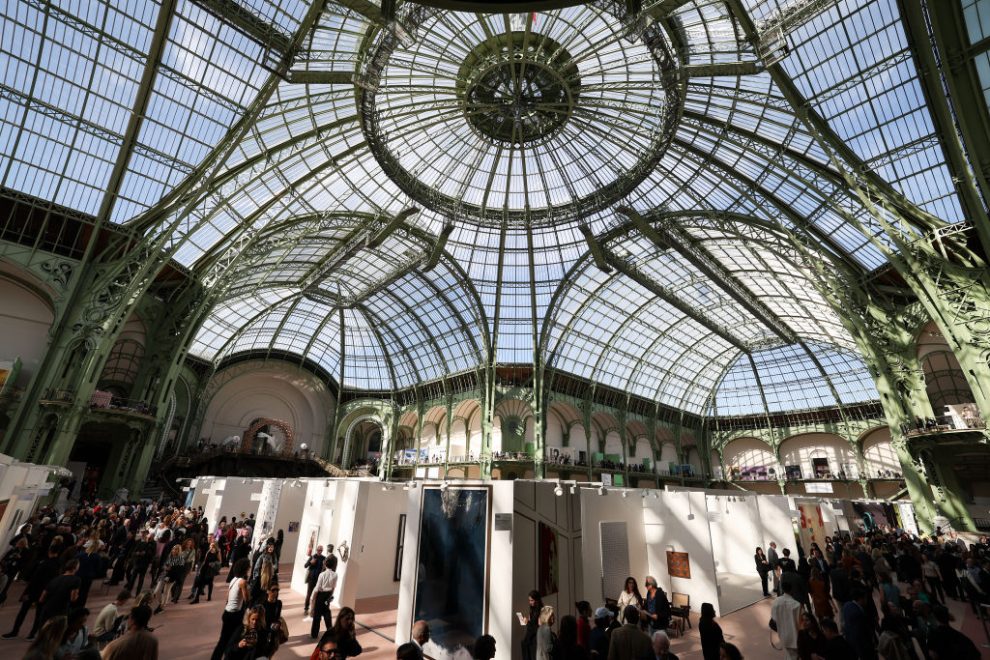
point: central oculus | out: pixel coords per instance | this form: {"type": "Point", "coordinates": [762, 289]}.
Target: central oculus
{"type": "Point", "coordinates": [518, 87]}
{"type": "Point", "coordinates": [519, 120]}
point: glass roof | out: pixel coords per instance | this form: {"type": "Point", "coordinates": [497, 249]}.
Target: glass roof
{"type": "Point", "coordinates": [296, 137]}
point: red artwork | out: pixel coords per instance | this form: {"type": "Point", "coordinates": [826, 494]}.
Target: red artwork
{"type": "Point", "coordinates": [678, 565]}
{"type": "Point", "coordinates": [549, 564]}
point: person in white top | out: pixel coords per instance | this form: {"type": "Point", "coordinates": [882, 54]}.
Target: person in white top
{"type": "Point", "coordinates": [322, 595]}
{"type": "Point", "coordinates": [784, 613]}
{"type": "Point", "coordinates": [630, 595]}
{"type": "Point", "coordinates": [106, 621]}
{"type": "Point", "coordinates": [237, 598]}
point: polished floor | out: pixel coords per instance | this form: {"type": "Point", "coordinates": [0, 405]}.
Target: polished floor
{"type": "Point", "coordinates": [189, 631]}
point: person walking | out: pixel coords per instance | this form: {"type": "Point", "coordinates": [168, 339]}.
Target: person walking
{"type": "Point", "coordinates": [209, 568]}
{"type": "Point", "coordinates": [710, 632]}
{"type": "Point", "coordinates": [322, 596]}
{"type": "Point", "coordinates": [44, 572]}
{"type": "Point", "coordinates": [237, 599]}
{"type": "Point", "coordinates": [784, 615]}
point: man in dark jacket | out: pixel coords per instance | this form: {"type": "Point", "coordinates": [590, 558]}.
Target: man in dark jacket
{"type": "Point", "coordinates": [142, 554]}
{"type": "Point", "coordinates": [313, 566]}
{"type": "Point", "coordinates": [629, 642]}
{"type": "Point", "coordinates": [46, 571]}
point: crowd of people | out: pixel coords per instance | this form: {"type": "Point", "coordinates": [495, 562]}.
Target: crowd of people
{"type": "Point", "coordinates": [150, 552]}
{"type": "Point", "coordinates": [881, 594]}
{"type": "Point", "coordinates": [635, 626]}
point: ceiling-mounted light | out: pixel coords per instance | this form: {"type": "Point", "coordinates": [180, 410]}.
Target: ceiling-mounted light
{"type": "Point", "coordinates": [601, 489]}
{"type": "Point", "coordinates": [558, 490]}
{"type": "Point", "coordinates": [444, 485]}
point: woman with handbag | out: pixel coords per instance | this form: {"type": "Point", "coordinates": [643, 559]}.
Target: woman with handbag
{"type": "Point", "coordinates": [208, 570]}
{"type": "Point", "coordinates": [171, 569]}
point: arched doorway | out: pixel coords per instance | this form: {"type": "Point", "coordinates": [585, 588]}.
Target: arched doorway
{"type": "Point", "coordinates": [363, 444]}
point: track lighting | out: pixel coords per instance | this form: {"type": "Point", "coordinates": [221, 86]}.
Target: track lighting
{"type": "Point", "coordinates": [558, 490]}
{"type": "Point", "coordinates": [444, 486]}
{"type": "Point", "coordinates": [625, 494]}
{"type": "Point", "coordinates": [601, 489]}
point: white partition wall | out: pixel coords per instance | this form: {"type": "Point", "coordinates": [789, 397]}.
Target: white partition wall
{"type": "Point", "coordinates": [369, 526]}
{"type": "Point", "coordinates": [777, 521]}
{"type": "Point", "coordinates": [677, 521]}
{"type": "Point", "coordinates": [736, 530]}
{"type": "Point", "coordinates": [618, 521]}
{"type": "Point", "coordinates": [316, 526]}
{"type": "Point", "coordinates": [230, 497]}
{"type": "Point", "coordinates": [280, 508]}
{"type": "Point", "coordinates": [21, 486]}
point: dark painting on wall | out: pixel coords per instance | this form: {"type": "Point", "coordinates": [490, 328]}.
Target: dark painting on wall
{"type": "Point", "coordinates": [549, 560]}
{"type": "Point", "coordinates": [451, 578]}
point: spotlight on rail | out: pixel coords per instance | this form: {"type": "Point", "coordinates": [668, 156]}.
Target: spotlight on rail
{"type": "Point", "coordinates": [558, 490]}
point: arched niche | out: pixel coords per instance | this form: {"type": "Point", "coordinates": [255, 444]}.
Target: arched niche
{"type": "Point", "coordinates": [879, 458]}
{"type": "Point", "coordinates": [26, 316]}
{"type": "Point", "coordinates": [817, 456]}
{"type": "Point", "coordinates": [668, 457]}
{"type": "Point", "coordinates": [945, 382]}
{"type": "Point", "coordinates": [750, 459]}
{"type": "Point", "coordinates": [125, 359]}
{"type": "Point", "coordinates": [273, 390]}
{"type": "Point", "coordinates": [363, 443]}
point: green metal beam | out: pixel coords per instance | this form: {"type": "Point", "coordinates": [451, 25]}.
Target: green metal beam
{"type": "Point", "coordinates": [715, 69]}
{"type": "Point", "coordinates": [664, 8]}
{"type": "Point", "coordinates": [368, 9]}
{"type": "Point", "coordinates": [316, 77]}
{"type": "Point", "coordinates": [237, 15]}
{"type": "Point", "coordinates": [632, 272]}
{"type": "Point", "coordinates": [438, 248]}
{"type": "Point", "coordinates": [670, 235]}
{"type": "Point", "coordinates": [397, 221]}
{"type": "Point", "coordinates": [595, 249]}
{"type": "Point", "coordinates": [139, 109]}
{"type": "Point", "coordinates": [955, 98]}
{"type": "Point", "coordinates": [819, 127]}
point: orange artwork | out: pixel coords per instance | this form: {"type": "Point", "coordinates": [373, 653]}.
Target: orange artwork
{"type": "Point", "coordinates": [678, 565]}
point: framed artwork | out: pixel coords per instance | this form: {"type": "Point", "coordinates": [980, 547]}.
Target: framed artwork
{"type": "Point", "coordinates": [293, 527]}
{"type": "Point", "coordinates": [678, 565]}
{"type": "Point", "coordinates": [312, 539]}
{"type": "Point", "coordinates": [549, 560]}
{"type": "Point", "coordinates": [452, 568]}
{"type": "Point", "coordinates": [400, 543]}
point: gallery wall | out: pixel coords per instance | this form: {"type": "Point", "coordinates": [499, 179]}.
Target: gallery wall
{"type": "Point", "coordinates": [611, 507]}
{"type": "Point", "coordinates": [736, 531]}
{"type": "Point", "coordinates": [546, 542]}
{"type": "Point", "coordinates": [677, 521]}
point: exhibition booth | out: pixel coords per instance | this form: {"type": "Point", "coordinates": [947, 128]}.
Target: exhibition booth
{"type": "Point", "coordinates": [22, 485]}
{"type": "Point", "coordinates": [464, 555]}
